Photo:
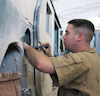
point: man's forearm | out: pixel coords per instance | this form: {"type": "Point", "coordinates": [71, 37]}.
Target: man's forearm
{"type": "Point", "coordinates": [39, 60]}
{"type": "Point", "coordinates": [33, 55]}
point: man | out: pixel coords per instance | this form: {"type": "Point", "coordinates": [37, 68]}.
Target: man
{"type": "Point", "coordinates": [78, 72]}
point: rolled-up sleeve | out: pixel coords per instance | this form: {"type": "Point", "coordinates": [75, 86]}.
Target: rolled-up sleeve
{"type": "Point", "coordinates": [68, 68]}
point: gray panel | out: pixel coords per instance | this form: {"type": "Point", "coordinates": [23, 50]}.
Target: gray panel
{"type": "Point", "coordinates": [11, 30]}
{"type": "Point", "coordinates": [24, 82]}
{"type": "Point", "coordinates": [97, 41]}
{"type": "Point", "coordinates": [98, 50]}
{"type": "Point", "coordinates": [9, 25]}
{"type": "Point", "coordinates": [11, 61]}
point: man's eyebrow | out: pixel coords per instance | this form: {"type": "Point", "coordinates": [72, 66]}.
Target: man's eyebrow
{"type": "Point", "coordinates": [66, 31]}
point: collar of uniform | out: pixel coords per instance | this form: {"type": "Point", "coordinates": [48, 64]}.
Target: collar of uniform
{"type": "Point", "coordinates": [91, 50]}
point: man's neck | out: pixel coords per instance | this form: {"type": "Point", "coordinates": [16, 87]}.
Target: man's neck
{"type": "Point", "coordinates": [82, 48]}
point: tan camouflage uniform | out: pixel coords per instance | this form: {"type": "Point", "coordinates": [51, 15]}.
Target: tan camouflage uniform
{"type": "Point", "coordinates": [78, 74]}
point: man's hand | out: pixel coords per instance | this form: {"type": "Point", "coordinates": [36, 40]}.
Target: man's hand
{"type": "Point", "coordinates": [26, 46]}
{"type": "Point", "coordinates": [48, 50]}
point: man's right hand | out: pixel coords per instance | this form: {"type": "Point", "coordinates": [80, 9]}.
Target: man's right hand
{"type": "Point", "coordinates": [48, 50]}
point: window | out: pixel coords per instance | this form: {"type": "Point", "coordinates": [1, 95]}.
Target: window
{"type": "Point", "coordinates": [56, 41]}
{"type": "Point", "coordinates": [61, 41]}
{"type": "Point", "coordinates": [27, 38]}
{"type": "Point", "coordinates": [48, 13]}
{"type": "Point", "coordinates": [12, 59]}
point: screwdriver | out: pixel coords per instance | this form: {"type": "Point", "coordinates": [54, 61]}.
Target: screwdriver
{"type": "Point", "coordinates": [46, 46]}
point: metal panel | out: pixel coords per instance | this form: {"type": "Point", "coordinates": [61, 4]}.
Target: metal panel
{"type": "Point", "coordinates": [9, 25]}
{"type": "Point", "coordinates": [97, 41]}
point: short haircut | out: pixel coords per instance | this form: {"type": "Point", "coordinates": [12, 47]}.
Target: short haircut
{"type": "Point", "coordinates": [83, 23]}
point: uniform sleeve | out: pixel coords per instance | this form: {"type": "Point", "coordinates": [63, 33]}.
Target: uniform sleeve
{"type": "Point", "coordinates": [68, 68]}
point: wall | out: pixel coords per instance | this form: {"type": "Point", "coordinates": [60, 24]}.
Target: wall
{"type": "Point", "coordinates": [15, 18]}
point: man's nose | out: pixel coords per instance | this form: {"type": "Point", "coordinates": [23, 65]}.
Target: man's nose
{"type": "Point", "coordinates": [63, 37]}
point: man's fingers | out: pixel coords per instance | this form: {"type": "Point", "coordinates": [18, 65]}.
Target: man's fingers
{"type": "Point", "coordinates": [44, 48]}
{"type": "Point", "coordinates": [49, 47]}
{"type": "Point", "coordinates": [45, 44]}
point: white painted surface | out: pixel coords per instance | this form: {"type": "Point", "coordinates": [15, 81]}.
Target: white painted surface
{"type": "Point", "coordinates": [26, 7]}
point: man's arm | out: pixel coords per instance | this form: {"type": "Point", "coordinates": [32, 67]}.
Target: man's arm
{"type": "Point", "coordinates": [39, 60]}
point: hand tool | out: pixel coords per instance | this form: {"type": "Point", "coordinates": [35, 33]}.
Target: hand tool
{"type": "Point", "coordinates": [46, 46]}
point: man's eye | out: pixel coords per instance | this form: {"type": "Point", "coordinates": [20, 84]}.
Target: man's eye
{"type": "Point", "coordinates": [67, 33]}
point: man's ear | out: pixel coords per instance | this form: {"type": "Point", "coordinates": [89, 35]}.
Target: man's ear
{"type": "Point", "coordinates": [80, 37]}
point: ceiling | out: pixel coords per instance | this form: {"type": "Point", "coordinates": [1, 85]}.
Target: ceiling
{"type": "Point", "coordinates": [70, 9]}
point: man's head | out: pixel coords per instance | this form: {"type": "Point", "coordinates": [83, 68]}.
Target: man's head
{"type": "Point", "coordinates": [78, 32]}
{"type": "Point", "coordinates": [83, 26]}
